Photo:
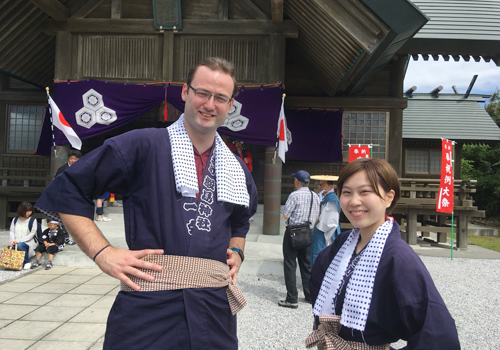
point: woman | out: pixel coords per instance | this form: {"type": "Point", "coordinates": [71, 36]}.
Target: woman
{"type": "Point", "coordinates": [369, 288]}
{"type": "Point", "coordinates": [21, 234]}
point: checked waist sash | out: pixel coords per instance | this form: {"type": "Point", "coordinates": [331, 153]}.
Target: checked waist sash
{"type": "Point", "coordinates": [328, 338]}
{"type": "Point", "coordinates": [181, 272]}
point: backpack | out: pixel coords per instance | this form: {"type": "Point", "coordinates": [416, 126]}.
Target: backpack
{"type": "Point", "coordinates": [38, 236]}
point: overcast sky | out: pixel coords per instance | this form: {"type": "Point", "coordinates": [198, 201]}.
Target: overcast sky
{"type": "Point", "coordinates": [427, 75]}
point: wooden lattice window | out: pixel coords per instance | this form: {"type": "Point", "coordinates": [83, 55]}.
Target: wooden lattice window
{"type": "Point", "coordinates": [366, 128]}
{"type": "Point", "coordinates": [25, 125]}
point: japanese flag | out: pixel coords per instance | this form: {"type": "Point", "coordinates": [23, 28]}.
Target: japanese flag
{"type": "Point", "coordinates": [59, 122]}
{"type": "Point", "coordinates": [282, 132]}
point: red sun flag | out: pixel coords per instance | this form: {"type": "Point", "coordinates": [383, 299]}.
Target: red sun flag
{"type": "Point", "coordinates": [62, 124]}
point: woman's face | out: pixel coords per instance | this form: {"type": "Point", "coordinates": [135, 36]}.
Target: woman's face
{"type": "Point", "coordinates": [362, 205]}
{"type": "Point", "coordinates": [28, 214]}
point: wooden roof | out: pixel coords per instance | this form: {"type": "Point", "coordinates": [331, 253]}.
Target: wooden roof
{"type": "Point", "coordinates": [448, 116]}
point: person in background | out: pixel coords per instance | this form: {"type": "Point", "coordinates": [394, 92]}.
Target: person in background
{"type": "Point", "coordinates": [21, 234]}
{"type": "Point", "coordinates": [327, 228]}
{"type": "Point", "coordinates": [74, 155]}
{"type": "Point", "coordinates": [301, 206]}
{"type": "Point", "coordinates": [51, 241]}
{"type": "Point", "coordinates": [228, 143]}
{"type": "Point", "coordinates": [99, 210]}
{"type": "Point", "coordinates": [369, 288]}
{"type": "Point", "coordinates": [243, 154]}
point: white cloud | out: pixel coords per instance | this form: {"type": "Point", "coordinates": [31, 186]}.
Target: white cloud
{"type": "Point", "coordinates": [427, 75]}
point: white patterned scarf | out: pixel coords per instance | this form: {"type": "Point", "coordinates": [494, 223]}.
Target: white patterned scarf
{"type": "Point", "coordinates": [359, 289]}
{"type": "Point", "coordinates": [229, 175]}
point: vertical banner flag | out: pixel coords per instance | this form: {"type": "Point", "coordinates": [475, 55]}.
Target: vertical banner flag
{"type": "Point", "coordinates": [445, 195]}
{"type": "Point", "coordinates": [59, 122]}
{"type": "Point", "coordinates": [359, 151]}
{"type": "Point", "coordinates": [282, 132]}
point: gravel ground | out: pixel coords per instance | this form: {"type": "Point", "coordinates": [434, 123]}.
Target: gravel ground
{"type": "Point", "coordinates": [469, 287]}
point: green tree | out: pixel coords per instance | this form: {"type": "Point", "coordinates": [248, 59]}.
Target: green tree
{"type": "Point", "coordinates": [482, 162]}
{"type": "Point", "coordinates": [493, 108]}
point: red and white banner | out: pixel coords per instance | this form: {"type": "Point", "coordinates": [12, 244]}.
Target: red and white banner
{"type": "Point", "coordinates": [359, 151]}
{"type": "Point", "coordinates": [445, 195]}
{"type": "Point", "coordinates": [59, 122]}
{"type": "Point", "coordinates": [282, 133]}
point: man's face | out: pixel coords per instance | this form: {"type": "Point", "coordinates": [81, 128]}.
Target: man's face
{"type": "Point", "coordinates": [202, 116]}
{"type": "Point", "coordinates": [323, 185]}
{"type": "Point", "coordinates": [72, 159]}
{"type": "Point", "coordinates": [52, 226]}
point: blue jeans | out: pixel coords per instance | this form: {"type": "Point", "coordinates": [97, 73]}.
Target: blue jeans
{"type": "Point", "coordinates": [26, 248]}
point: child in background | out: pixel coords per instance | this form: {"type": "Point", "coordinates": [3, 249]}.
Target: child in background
{"type": "Point", "coordinates": [51, 241]}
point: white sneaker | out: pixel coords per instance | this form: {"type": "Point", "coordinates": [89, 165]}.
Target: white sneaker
{"type": "Point", "coordinates": [102, 218]}
{"type": "Point", "coordinates": [27, 266]}
{"type": "Point", "coordinates": [117, 204]}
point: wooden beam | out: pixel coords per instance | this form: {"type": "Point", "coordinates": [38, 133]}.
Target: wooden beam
{"type": "Point", "coordinates": [87, 8]}
{"type": "Point", "coordinates": [189, 26]}
{"type": "Point", "coordinates": [277, 11]}
{"type": "Point", "coordinates": [353, 103]}
{"type": "Point", "coordinates": [53, 8]}
{"type": "Point", "coordinates": [251, 9]}
{"type": "Point", "coordinates": [223, 9]}
{"type": "Point", "coordinates": [116, 9]}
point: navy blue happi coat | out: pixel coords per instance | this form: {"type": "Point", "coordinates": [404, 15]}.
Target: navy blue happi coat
{"type": "Point", "coordinates": [405, 302]}
{"type": "Point", "coordinates": [138, 166]}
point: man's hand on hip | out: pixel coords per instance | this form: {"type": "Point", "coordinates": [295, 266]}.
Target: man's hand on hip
{"type": "Point", "coordinates": [119, 262]}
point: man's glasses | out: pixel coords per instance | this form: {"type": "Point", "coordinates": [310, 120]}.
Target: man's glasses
{"type": "Point", "coordinates": [205, 96]}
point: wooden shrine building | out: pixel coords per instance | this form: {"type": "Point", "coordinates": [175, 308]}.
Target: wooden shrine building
{"type": "Point", "coordinates": [335, 54]}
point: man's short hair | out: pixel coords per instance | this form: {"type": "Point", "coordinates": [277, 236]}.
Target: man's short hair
{"type": "Point", "coordinates": [75, 153]}
{"type": "Point", "coordinates": [215, 64]}
{"type": "Point", "coordinates": [303, 177]}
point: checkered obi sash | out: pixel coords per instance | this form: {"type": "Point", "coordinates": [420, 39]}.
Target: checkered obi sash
{"type": "Point", "coordinates": [328, 338]}
{"type": "Point", "coordinates": [180, 272]}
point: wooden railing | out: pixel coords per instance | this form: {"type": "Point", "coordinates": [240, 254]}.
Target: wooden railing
{"type": "Point", "coordinates": [416, 210]}
{"type": "Point", "coordinates": [17, 185]}
{"type": "Point", "coordinates": [418, 205]}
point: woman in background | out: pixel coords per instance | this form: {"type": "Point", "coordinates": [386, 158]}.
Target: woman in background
{"type": "Point", "coordinates": [21, 234]}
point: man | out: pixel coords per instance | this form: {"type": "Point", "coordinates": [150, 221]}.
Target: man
{"type": "Point", "coordinates": [327, 228]}
{"type": "Point", "coordinates": [296, 212]}
{"type": "Point", "coordinates": [185, 197]}
{"type": "Point", "coordinates": [74, 155]}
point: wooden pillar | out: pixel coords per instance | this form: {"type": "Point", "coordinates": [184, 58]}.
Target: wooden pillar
{"type": "Point", "coordinates": [62, 71]}
{"type": "Point", "coordinates": [442, 236]}
{"type": "Point", "coordinates": [272, 172]}
{"type": "Point", "coordinates": [462, 229]}
{"type": "Point", "coordinates": [411, 227]}
{"type": "Point", "coordinates": [424, 223]}
{"type": "Point", "coordinates": [272, 193]}
{"type": "Point", "coordinates": [3, 213]}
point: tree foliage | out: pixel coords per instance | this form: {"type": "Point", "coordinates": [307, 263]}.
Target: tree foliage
{"type": "Point", "coordinates": [493, 108]}
{"type": "Point", "coordinates": [482, 162]}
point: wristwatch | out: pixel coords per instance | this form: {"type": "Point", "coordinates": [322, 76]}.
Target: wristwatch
{"type": "Point", "coordinates": [240, 253]}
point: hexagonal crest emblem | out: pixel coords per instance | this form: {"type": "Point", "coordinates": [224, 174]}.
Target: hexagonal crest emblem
{"type": "Point", "coordinates": [105, 116]}
{"type": "Point", "coordinates": [85, 117]}
{"type": "Point", "coordinates": [235, 110]}
{"type": "Point", "coordinates": [93, 100]}
{"type": "Point", "coordinates": [237, 124]}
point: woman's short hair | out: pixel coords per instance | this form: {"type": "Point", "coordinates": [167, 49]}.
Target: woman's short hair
{"type": "Point", "coordinates": [23, 208]}
{"type": "Point", "coordinates": [379, 172]}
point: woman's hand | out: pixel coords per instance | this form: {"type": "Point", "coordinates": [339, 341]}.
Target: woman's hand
{"type": "Point", "coordinates": [12, 243]}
